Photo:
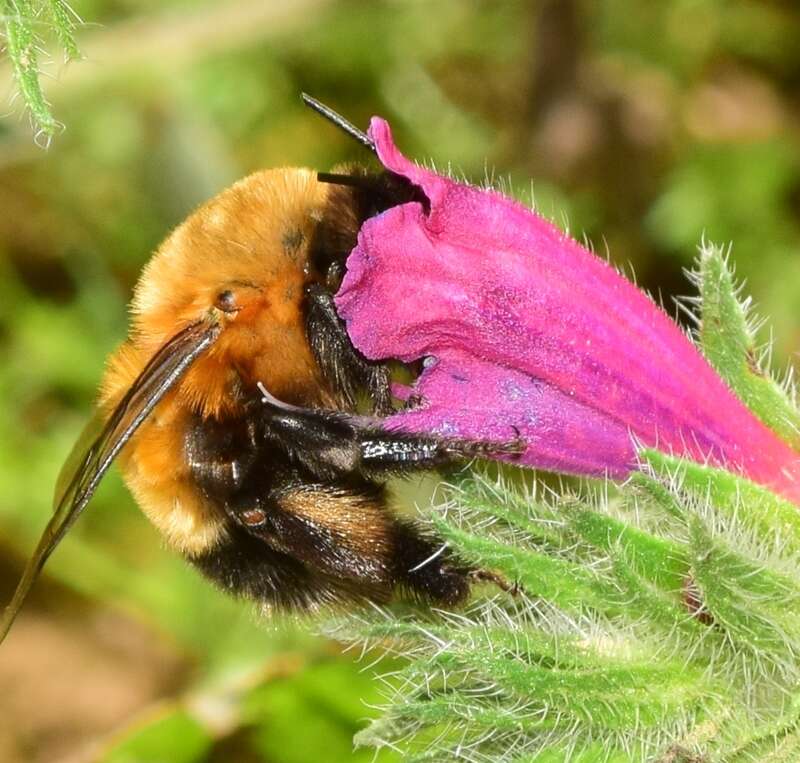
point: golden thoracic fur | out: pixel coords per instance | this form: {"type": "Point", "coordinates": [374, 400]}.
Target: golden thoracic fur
{"type": "Point", "coordinates": [252, 240]}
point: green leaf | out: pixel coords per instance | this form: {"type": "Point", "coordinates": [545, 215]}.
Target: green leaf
{"type": "Point", "coordinates": [22, 47]}
{"type": "Point", "coordinates": [21, 19]}
{"type": "Point", "coordinates": [312, 715]}
{"type": "Point", "coordinates": [65, 22]}
{"type": "Point", "coordinates": [777, 742]}
{"type": "Point", "coordinates": [727, 338]}
{"type": "Point", "coordinates": [172, 736]}
{"type": "Point", "coordinates": [660, 564]}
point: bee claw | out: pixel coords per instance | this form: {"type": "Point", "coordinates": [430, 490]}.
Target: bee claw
{"type": "Point", "coordinates": [487, 576]}
{"type": "Point", "coordinates": [414, 401]}
{"type": "Point", "coordinates": [518, 445]}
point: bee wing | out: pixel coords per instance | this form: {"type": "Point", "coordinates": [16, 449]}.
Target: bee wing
{"type": "Point", "coordinates": [102, 441]}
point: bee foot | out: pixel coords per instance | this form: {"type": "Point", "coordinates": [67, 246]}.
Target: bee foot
{"type": "Point", "coordinates": [495, 578]}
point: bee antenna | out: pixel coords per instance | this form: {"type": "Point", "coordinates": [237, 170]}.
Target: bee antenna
{"type": "Point", "coordinates": [339, 121]}
{"type": "Point", "coordinates": [355, 181]}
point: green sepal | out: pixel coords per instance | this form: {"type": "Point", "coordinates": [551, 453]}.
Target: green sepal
{"type": "Point", "coordinates": [657, 622]}
{"type": "Point", "coordinates": [757, 606]}
{"type": "Point", "coordinates": [778, 742]}
{"type": "Point", "coordinates": [727, 338]}
{"type": "Point", "coordinates": [765, 515]}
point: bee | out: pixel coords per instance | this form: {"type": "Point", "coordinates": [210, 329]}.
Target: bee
{"type": "Point", "coordinates": [232, 408]}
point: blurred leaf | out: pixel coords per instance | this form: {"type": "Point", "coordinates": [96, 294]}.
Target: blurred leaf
{"type": "Point", "coordinates": [21, 20]}
{"type": "Point", "coordinates": [312, 716]}
{"type": "Point", "coordinates": [726, 192]}
{"type": "Point", "coordinates": [290, 710]}
{"type": "Point", "coordinates": [172, 737]}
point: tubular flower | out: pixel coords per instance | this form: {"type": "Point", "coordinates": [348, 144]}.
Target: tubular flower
{"type": "Point", "coordinates": [525, 333]}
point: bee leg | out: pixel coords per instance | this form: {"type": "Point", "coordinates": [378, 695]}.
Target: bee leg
{"type": "Point", "coordinates": [394, 452]}
{"type": "Point", "coordinates": [424, 566]}
{"type": "Point", "coordinates": [323, 506]}
{"type": "Point", "coordinates": [346, 369]}
{"type": "Point", "coordinates": [331, 444]}
{"type": "Point", "coordinates": [496, 579]}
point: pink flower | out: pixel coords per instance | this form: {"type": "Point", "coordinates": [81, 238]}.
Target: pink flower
{"type": "Point", "coordinates": [524, 331]}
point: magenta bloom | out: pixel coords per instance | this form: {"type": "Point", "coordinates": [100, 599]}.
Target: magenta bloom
{"type": "Point", "coordinates": [526, 332]}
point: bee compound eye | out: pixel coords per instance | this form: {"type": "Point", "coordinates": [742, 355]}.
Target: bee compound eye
{"type": "Point", "coordinates": [226, 301]}
{"type": "Point", "coordinates": [253, 517]}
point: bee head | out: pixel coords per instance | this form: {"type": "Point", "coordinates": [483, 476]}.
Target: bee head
{"type": "Point", "coordinates": [240, 262]}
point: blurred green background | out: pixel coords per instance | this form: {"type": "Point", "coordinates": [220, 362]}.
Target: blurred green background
{"type": "Point", "coordinates": [643, 126]}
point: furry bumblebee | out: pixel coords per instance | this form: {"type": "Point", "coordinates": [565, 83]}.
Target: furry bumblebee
{"type": "Point", "coordinates": [232, 406]}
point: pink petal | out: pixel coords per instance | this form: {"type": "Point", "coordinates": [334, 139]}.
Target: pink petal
{"type": "Point", "coordinates": [528, 332]}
